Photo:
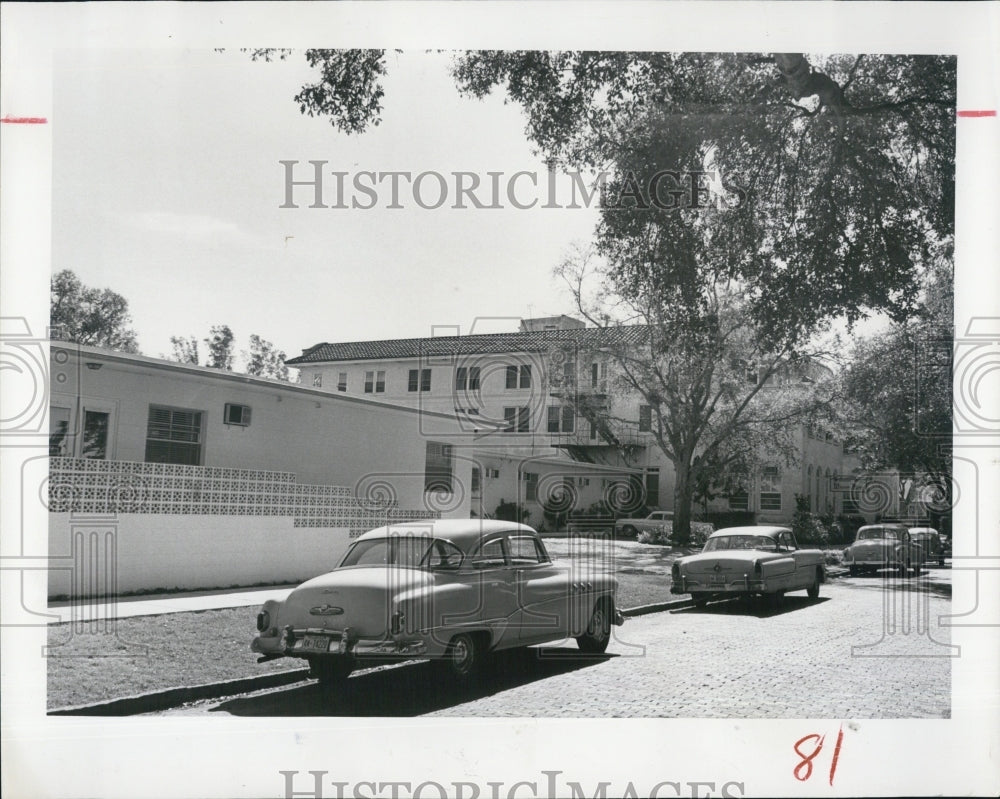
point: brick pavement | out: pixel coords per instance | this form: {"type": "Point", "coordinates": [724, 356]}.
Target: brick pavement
{"type": "Point", "coordinates": [756, 661]}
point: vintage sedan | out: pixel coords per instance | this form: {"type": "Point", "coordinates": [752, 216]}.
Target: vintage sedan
{"type": "Point", "coordinates": [933, 545]}
{"type": "Point", "coordinates": [883, 546]}
{"type": "Point", "coordinates": [448, 590]}
{"type": "Point", "coordinates": [748, 561]}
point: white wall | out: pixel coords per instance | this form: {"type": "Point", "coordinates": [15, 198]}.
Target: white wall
{"type": "Point", "coordinates": [148, 551]}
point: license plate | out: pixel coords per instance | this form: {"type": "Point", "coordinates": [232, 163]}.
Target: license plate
{"type": "Point", "coordinates": [315, 643]}
{"type": "Point", "coordinates": [718, 579]}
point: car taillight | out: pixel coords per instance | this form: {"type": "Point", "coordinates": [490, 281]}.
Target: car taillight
{"type": "Point", "coordinates": [675, 572]}
{"type": "Point", "coordinates": [397, 622]}
{"type": "Point", "coordinates": [758, 570]}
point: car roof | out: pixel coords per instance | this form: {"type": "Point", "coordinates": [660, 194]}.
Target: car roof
{"type": "Point", "coordinates": [885, 526]}
{"type": "Point", "coordinates": [461, 532]}
{"type": "Point", "coordinates": [768, 530]}
{"type": "Point", "coordinates": [922, 530]}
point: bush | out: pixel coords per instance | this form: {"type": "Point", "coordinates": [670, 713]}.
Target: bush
{"type": "Point", "coordinates": [849, 526]}
{"type": "Point", "coordinates": [511, 512]}
{"type": "Point", "coordinates": [808, 527]}
{"type": "Point", "coordinates": [700, 531]}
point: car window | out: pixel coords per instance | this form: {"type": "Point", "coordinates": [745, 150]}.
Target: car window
{"type": "Point", "coordinates": [443, 555]}
{"type": "Point", "coordinates": [786, 541]}
{"type": "Point", "coordinates": [397, 550]}
{"type": "Point", "coordinates": [489, 555]}
{"type": "Point", "coordinates": [524, 551]}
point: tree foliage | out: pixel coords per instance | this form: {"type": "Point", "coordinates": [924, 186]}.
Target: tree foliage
{"type": "Point", "coordinates": [220, 348]}
{"type": "Point", "coordinates": [897, 387]}
{"type": "Point", "coordinates": [185, 350]}
{"type": "Point", "coordinates": [86, 315]}
{"type": "Point", "coordinates": [264, 360]}
{"type": "Point", "coordinates": [720, 401]}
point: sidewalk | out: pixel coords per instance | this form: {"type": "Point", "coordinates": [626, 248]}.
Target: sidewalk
{"type": "Point", "coordinates": [126, 607]}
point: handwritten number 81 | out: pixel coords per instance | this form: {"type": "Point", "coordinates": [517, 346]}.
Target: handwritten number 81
{"type": "Point", "coordinates": [803, 771]}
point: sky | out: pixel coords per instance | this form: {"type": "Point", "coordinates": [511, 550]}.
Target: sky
{"type": "Point", "coordinates": [167, 186]}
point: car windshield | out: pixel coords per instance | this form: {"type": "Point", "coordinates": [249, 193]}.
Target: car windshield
{"type": "Point", "coordinates": [877, 532]}
{"type": "Point", "coordinates": [397, 550]}
{"type": "Point", "coordinates": [718, 543]}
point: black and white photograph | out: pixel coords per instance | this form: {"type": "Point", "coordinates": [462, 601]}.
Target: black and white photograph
{"type": "Point", "coordinates": [499, 400]}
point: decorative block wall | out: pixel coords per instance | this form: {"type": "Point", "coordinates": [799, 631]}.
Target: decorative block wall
{"type": "Point", "coordinates": [79, 485]}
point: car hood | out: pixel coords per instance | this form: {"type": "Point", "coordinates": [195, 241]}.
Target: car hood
{"type": "Point", "coordinates": [874, 545]}
{"type": "Point", "coordinates": [357, 597]}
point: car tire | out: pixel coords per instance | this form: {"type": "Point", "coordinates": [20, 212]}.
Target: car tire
{"type": "Point", "coordinates": [854, 571]}
{"type": "Point", "coordinates": [462, 657]}
{"type": "Point", "coordinates": [331, 672]}
{"type": "Point", "coordinates": [940, 561]}
{"type": "Point", "coordinates": [904, 569]}
{"type": "Point", "coordinates": [700, 600]}
{"type": "Point", "coordinates": [630, 531]}
{"type": "Point", "coordinates": [813, 590]}
{"type": "Point", "coordinates": [917, 569]}
{"type": "Point", "coordinates": [598, 634]}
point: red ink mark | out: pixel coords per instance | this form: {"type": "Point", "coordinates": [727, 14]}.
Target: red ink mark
{"type": "Point", "coordinates": [836, 753]}
{"type": "Point", "coordinates": [806, 759]}
{"type": "Point", "coordinates": [987, 113]}
{"type": "Point", "coordinates": [24, 120]}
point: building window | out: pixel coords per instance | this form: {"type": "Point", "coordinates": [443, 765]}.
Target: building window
{"type": "Point", "coordinates": [519, 376]}
{"type": "Point", "coordinates": [530, 486]}
{"type": "Point", "coordinates": [317, 379]}
{"type": "Point", "coordinates": [477, 482]}
{"type": "Point", "coordinates": [593, 431]}
{"type": "Point", "coordinates": [569, 374]}
{"type": "Point", "coordinates": [599, 376]}
{"type": "Point", "coordinates": [645, 418]}
{"type": "Point", "coordinates": [174, 436]}
{"type": "Point", "coordinates": [59, 444]}
{"type": "Point", "coordinates": [561, 419]}
{"type": "Point", "coordinates": [237, 414]}
{"type": "Point", "coordinates": [369, 382]}
{"type": "Point", "coordinates": [419, 379]}
{"type": "Point", "coordinates": [467, 378]}
{"type": "Point", "coordinates": [517, 419]}
{"type": "Point", "coordinates": [342, 381]}
{"type": "Point", "coordinates": [770, 488]}
{"type": "Point", "coordinates": [752, 376]}
{"type": "Point", "coordinates": [438, 472]}
{"type": "Point", "coordinates": [492, 474]}
{"type": "Point", "coordinates": [739, 500]}
{"type": "Point", "coordinates": [95, 435]}
{"type": "Point", "coordinates": [374, 382]}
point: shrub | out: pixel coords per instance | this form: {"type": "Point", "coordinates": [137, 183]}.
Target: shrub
{"type": "Point", "coordinates": [511, 512]}
{"type": "Point", "coordinates": [807, 526]}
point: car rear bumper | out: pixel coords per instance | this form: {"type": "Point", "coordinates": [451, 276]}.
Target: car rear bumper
{"type": "Point", "coordinates": [307, 643]}
{"type": "Point", "coordinates": [740, 585]}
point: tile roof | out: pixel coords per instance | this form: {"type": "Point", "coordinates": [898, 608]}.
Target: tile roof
{"type": "Point", "coordinates": [484, 343]}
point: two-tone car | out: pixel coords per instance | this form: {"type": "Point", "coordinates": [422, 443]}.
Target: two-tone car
{"type": "Point", "coordinates": [447, 590]}
{"type": "Point", "coordinates": [747, 561]}
{"type": "Point", "coordinates": [934, 546]}
{"type": "Point", "coordinates": [883, 546]}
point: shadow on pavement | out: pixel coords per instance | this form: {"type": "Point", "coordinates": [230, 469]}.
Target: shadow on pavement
{"type": "Point", "coordinates": [414, 688]}
{"type": "Point", "coordinates": [761, 607]}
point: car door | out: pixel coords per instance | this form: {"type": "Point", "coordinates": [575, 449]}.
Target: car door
{"type": "Point", "coordinates": [544, 592]}
{"type": "Point", "coordinates": [495, 590]}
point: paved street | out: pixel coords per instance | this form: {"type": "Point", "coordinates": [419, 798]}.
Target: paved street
{"type": "Point", "coordinates": [833, 657]}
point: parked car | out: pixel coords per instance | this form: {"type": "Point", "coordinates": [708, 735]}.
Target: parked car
{"type": "Point", "coordinates": [931, 542]}
{"type": "Point", "coordinates": [657, 521]}
{"type": "Point", "coordinates": [748, 561]}
{"type": "Point", "coordinates": [449, 590]}
{"type": "Point", "coordinates": [883, 546]}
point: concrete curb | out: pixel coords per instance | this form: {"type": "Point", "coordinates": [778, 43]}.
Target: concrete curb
{"type": "Point", "coordinates": [172, 697]}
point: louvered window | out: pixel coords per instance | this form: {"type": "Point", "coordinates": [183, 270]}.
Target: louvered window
{"type": "Point", "coordinates": [174, 436]}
